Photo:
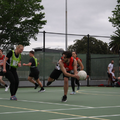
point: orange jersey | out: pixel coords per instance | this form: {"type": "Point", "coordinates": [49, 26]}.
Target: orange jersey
{"type": "Point", "coordinates": [2, 59]}
{"type": "Point", "coordinates": [78, 58]}
{"type": "Point", "coordinates": [78, 66]}
{"type": "Point", "coordinates": [70, 66]}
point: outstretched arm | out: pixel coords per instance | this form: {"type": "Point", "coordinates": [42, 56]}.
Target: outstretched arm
{"type": "Point", "coordinates": [75, 67]}
{"type": "Point", "coordinates": [81, 65]}
{"type": "Point", "coordinates": [29, 64]}
{"type": "Point", "coordinates": [4, 64]}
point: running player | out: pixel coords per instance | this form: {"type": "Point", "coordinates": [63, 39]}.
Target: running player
{"type": "Point", "coordinates": [64, 65]}
{"type": "Point", "coordinates": [11, 62]}
{"type": "Point", "coordinates": [34, 72]}
{"type": "Point", "coordinates": [79, 67]}
{"type": "Point", "coordinates": [2, 57]}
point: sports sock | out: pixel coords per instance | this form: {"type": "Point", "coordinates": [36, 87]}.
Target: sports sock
{"type": "Point", "coordinates": [42, 88]}
{"type": "Point", "coordinates": [36, 85]}
{"type": "Point", "coordinates": [6, 85]}
{"type": "Point", "coordinates": [48, 83]}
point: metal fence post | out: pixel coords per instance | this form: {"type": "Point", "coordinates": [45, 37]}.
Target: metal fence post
{"type": "Point", "coordinates": [44, 58]}
{"type": "Point", "coordinates": [88, 59]}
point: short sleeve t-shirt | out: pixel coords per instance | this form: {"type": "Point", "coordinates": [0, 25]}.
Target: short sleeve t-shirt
{"type": "Point", "coordinates": [33, 65]}
{"type": "Point", "coordinates": [112, 76]}
{"type": "Point", "coordinates": [32, 61]}
{"type": "Point", "coordinates": [110, 67]}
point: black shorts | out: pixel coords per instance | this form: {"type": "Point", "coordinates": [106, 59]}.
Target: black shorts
{"type": "Point", "coordinates": [34, 73]}
{"type": "Point", "coordinates": [2, 73]}
{"type": "Point", "coordinates": [66, 76]}
{"type": "Point", "coordinates": [56, 74]}
{"type": "Point", "coordinates": [108, 75]}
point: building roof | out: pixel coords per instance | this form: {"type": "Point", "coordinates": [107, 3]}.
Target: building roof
{"type": "Point", "coordinates": [47, 49]}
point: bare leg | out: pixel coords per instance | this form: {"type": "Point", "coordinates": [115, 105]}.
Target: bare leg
{"type": "Point", "coordinates": [65, 86]}
{"type": "Point", "coordinates": [31, 80]}
{"type": "Point", "coordinates": [6, 86]}
{"type": "Point", "coordinates": [39, 83]}
{"type": "Point", "coordinates": [50, 79]}
{"type": "Point", "coordinates": [2, 81]}
{"type": "Point", "coordinates": [64, 98]}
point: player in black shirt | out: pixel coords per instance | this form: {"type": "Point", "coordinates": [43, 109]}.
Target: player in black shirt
{"type": "Point", "coordinates": [34, 72]}
{"type": "Point", "coordinates": [11, 63]}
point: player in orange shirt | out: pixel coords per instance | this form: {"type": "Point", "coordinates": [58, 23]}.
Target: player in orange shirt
{"type": "Point", "coordinates": [2, 57]}
{"type": "Point", "coordinates": [64, 65]}
{"type": "Point", "coordinates": [79, 67]}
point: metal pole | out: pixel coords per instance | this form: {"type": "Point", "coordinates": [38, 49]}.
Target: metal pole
{"type": "Point", "coordinates": [44, 58]}
{"type": "Point", "coordinates": [119, 65]}
{"type": "Point", "coordinates": [88, 60]}
{"type": "Point", "coordinates": [66, 25]}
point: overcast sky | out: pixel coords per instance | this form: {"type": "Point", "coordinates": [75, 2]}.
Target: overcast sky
{"type": "Point", "coordinates": [84, 17]}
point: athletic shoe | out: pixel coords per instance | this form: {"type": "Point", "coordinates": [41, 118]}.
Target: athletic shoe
{"type": "Point", "coordinates": [48, 83]}
{"type": "Point", "coordinates": [42, 90]}
{"type": "Point", "coordinates": [13, 97]}
{"type": "Point", "coordinates": [64, 98]}
{"type": "Point", "coordinates": [6, 88]}
{"type": "Point", "coordinates": [72, 93]}
{"type": "Point", "coordinates": [36, 85]}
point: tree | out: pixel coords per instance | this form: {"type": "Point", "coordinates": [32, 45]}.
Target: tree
{"type": "Point", "coordinates": [96, 46]}
{"type": "Point", "coordinates": [115, 20]}
{"type": "Point", "coordinates": [20, 20]}
{"type": "Point", "coordinates": [114, 45]}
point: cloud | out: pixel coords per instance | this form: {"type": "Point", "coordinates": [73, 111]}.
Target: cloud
{"type": "Point", "coordinates": [84, 17]}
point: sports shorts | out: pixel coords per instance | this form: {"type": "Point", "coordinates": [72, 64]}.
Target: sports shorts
{"type": "Point", "coordinates": [34, 73]}
{"type": "Point", "coordinates": [56, 74]}
{"type": "Point", "coordinates": [2, 73]}
{"type": "Point", "coordinates": [108, 75]}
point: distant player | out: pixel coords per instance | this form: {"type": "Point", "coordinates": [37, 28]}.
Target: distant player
{"type": "Point", "coordinates": [109, 70]}
{"type": "Point", "coordinates": [2, 57]}
{"type": "Point", "coordinates": [34, 72]}
{"type": "Point", "coordinates": [114, 79]}
{"type": "Point", "coordinates": [79, 67]}
{"type": "Point", "coordinates": [11, 63]}
{"type": "Point", "coordinates": [64, 65]}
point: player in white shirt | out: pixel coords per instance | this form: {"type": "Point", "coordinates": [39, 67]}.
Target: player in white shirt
{"type": "Point", "coordinates": [114, 79]}
{"type": "Point", "coordinates": [113, 76]}
{"type": "Point", "coordinates": [110, 67]}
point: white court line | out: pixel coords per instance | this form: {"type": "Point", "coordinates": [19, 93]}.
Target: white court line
{"type": "Point", "coordinates": [79, 106]}
{"type": "Point", "coordinates": [36, 91]}
{"type": "Point", "coordinates": [69, 118]}
{"type": "Point", "coordinates": [99, 92]}
{"type": "Point", "coordinates": [48, 103]}
{"type": "Point", "coordinates": [53, 103]}
{"type": "Point", "coordinates": [84, 108]}
{"type": "Point", "coordinates": [114, 115]}
{"type": "Point", "coordinates": [47, 111]}
{"type": "Point", "coordinates": [2, 113]}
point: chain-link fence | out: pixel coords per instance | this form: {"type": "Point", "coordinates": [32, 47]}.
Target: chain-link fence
{"type": "Point", "coordinates": [47, 62]}
{"type": "Point", "coordinates": [94, 64]}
